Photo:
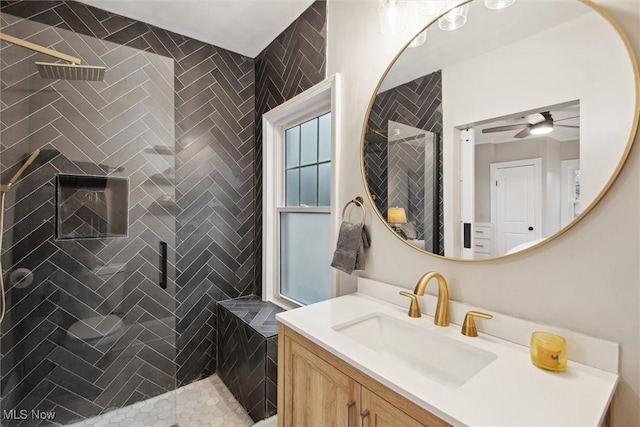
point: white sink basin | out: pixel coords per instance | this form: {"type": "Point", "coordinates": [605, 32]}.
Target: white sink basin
{"type": "Point", "coordinates": [437, 357]}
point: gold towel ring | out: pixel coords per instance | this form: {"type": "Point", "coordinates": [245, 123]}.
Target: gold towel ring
{"type": "Point", "coordinates": [358, 201]}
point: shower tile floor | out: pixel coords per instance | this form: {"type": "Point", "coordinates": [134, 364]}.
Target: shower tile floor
{"type": "Point", "coordinates": [206, 402]}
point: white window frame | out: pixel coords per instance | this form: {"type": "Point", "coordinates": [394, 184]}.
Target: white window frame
{"type": "Point", "coordinates": [313, 102]}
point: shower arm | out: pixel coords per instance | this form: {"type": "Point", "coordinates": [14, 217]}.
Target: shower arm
{"type": "Point", "coordinates": [6, 187]}
{"type": "Point", "coordinates": [37, 48]}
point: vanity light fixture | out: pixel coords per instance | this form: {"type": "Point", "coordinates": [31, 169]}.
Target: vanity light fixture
{"type": "Point", "coordinates": [419, 40]}
{"type": "Point", "coordinates": [498, 4]}
{"type": "Point", "coordinates": [391, 13]}
{"type": "Point", "coordinates": [454, 19]}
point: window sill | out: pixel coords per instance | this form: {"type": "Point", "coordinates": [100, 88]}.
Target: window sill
{"type": "Point", "coordinates": [283, 303]}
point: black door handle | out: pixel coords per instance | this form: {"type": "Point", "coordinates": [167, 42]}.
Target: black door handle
{"type": "Point", "coordinates": [163, 265]}
{"type": "Point", "coordinates": [530, 228]}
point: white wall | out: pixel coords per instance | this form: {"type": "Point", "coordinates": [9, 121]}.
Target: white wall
{"type": "Point", "coordinates": [587, 280]}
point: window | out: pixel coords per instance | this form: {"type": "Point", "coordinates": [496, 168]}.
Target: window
{"type": "Point", "coordinates": [299, 219]}
{"type": "Point", "coordinates": [308, 163]}
{"type": "Point", "coordinates": [305, 224]}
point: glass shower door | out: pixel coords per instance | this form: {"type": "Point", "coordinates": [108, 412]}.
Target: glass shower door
{"type": "Point", "coordinates": [89, 243]}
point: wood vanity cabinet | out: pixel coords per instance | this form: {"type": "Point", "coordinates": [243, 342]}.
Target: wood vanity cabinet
{"type": "Point", "coordinates": [317, 389]}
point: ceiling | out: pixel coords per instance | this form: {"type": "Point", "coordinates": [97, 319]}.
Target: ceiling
{"type": "Point", "coordinates": [241, 26]}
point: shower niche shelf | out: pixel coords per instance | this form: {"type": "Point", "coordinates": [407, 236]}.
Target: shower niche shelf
{"type": "Point", "coordinates": [91, 207]}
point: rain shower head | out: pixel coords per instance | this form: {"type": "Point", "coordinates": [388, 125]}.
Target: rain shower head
{"type": "Point", "coordinates": [49, 70]}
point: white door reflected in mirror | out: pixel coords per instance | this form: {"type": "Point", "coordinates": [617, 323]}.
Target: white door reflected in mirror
{"type": "Point", "coordinates": [516, 203]}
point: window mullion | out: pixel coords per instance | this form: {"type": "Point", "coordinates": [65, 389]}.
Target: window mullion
{"type": "Point", "coordinates": [299, 164]}
{"type": "Point", "coordinates": [317, 120]}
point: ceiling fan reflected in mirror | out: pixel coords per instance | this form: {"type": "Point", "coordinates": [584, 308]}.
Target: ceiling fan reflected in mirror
{"type": "Point", "coordinates": [536, 124]}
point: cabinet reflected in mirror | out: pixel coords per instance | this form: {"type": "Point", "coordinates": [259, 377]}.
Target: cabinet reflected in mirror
{"type": "Point", "coordinates": [526, 122]}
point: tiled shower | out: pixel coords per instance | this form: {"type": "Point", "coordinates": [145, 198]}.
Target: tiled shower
{"type": "Point", "coordinates": [397, 105]}
{"type": "Point", "coordinates": [174, 129]}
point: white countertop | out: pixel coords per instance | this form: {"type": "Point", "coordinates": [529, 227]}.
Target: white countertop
{"type": "Point", "coordinates": [510, 391]}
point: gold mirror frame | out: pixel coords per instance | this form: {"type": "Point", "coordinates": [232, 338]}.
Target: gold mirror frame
{"type": "Point", "coordinates": [632, 136]}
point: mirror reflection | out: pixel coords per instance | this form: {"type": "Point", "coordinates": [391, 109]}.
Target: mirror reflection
{"type": "Point", "coordinates": [488, 139]}
{"type": "Point", "coordinates": [406, 158]}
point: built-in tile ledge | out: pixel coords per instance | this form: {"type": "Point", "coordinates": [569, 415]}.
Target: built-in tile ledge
{"type": "Point", "coordinates": [581, 348]}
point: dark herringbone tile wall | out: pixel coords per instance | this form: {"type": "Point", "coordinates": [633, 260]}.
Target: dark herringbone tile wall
{"type": "Point", "coordinates": [214, 163]}
{"type": "Point", "coordinates": [398, 105]}
{"type": "Point", "coordinates": [411, 179]}
{"type": "Point", "coordinates": [106, 289]}
{"type": "Point", "coordinates": [291, 64]}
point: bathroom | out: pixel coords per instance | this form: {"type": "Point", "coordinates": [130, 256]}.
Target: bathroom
{"type": "Point", "coordinates": [179, 120]}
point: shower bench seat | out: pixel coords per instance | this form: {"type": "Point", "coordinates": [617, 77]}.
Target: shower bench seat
{"type": "Point", "coordinates": [248, 353]}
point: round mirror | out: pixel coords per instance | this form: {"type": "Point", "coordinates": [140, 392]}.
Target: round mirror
{"type": "Point", "coordinates": [496, 134]}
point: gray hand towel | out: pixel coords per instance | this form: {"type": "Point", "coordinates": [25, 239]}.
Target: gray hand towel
{"type": "Point", "coordinates": [366, 239]}
{"type": "Point", "coordinates": [349, 254]}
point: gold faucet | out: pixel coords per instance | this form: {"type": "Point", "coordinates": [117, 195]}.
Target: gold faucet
{"type": "Point", "coordinates": [441, 317]}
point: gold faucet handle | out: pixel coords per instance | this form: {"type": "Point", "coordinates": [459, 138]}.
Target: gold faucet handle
{"type": "Point", "coordinates": [414, 308]}
{"type": "Point", "coordinates": [469, 325]}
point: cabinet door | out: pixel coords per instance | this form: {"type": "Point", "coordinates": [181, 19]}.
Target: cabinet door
{"type": "Point", "coordinates": [316, 393]}
{"type": "Point", "coordinates": [383, 414]}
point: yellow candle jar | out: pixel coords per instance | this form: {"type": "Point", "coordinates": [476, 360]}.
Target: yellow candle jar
{"type": "Point", "coordinates": [548, 351]}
